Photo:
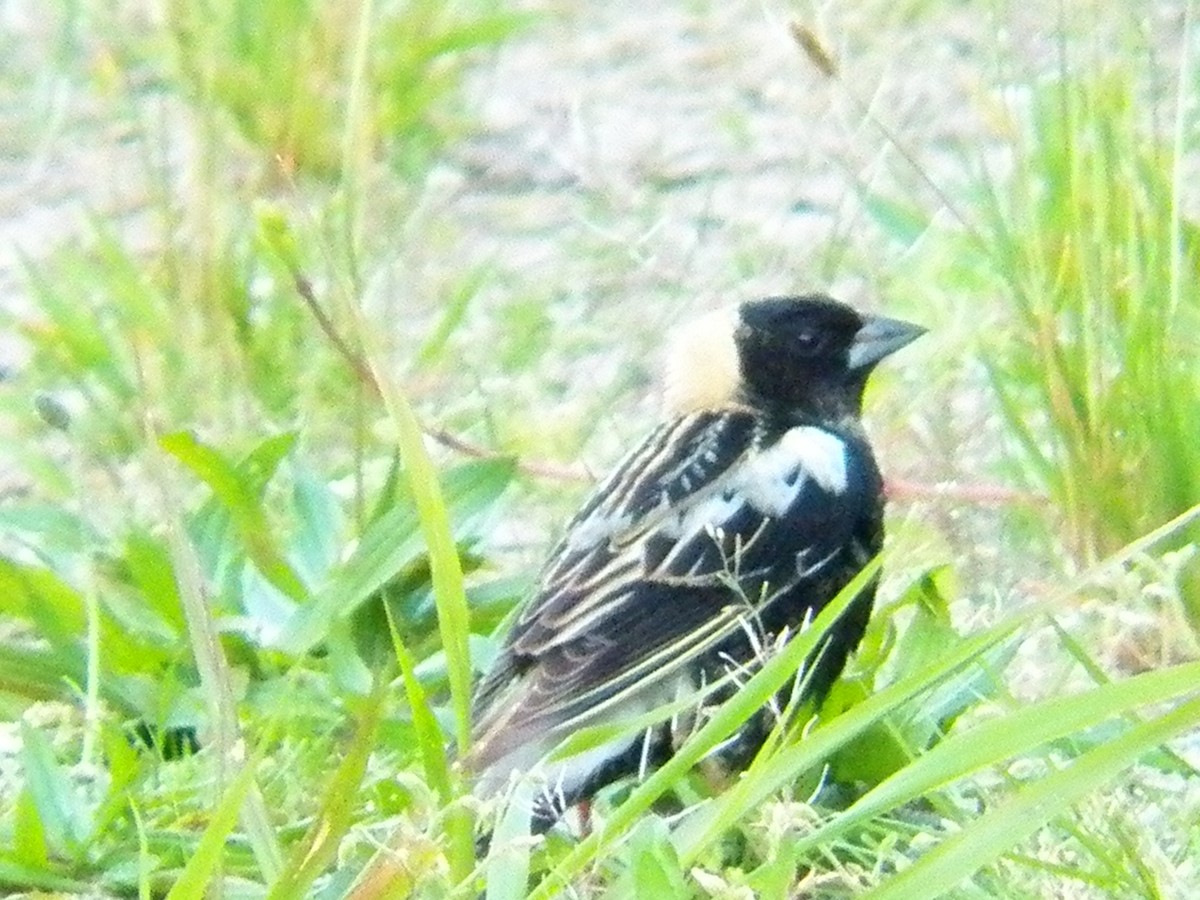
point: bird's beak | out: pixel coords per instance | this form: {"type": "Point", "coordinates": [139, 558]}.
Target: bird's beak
{"type": "Point", "coordinates": [880, 337]}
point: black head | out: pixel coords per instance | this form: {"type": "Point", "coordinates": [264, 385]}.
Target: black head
{"type": "Point", "coordinates": [811, 355]}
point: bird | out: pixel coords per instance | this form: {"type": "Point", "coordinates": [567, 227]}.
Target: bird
{"type": "Point", "coordinates": [733, 523]}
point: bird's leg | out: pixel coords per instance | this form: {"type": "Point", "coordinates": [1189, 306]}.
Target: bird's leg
{"type": "Point", "coordinates": [585, 816]}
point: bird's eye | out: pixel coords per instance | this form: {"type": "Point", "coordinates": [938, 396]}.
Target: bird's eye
{"type": "Point", "coordinates": [809, 341]}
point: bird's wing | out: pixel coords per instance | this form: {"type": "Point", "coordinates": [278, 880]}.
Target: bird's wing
{"type": "Point", "coordinates": [675, 469]}
{"type": "Point", "coordinates": [666, 557]}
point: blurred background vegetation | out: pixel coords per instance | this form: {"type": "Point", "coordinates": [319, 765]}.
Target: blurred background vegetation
{"type": "Point", "coordinates": [320, 317]}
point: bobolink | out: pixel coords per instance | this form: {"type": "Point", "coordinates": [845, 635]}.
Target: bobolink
{"type": "Point", "coordinates": [733, 523]}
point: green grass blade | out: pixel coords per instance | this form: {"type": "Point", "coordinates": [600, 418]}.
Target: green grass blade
{"type": "Point", "coordinates": [334, 817]}
{"type": "Point", "coordinates": [390, 543]}
{"type": "Point", "coordinates": [64, 820]}
{"type": "Point", "coordinates": [205, 862]}
{"type": "Point", "coordinates": [994, 741]}
{"type": "Point", "coordinates": [449, 595]}
{"type": "Point", "coordinates": [430, 742]}
{"type": "Point", "coordinates": [446, 568]}
{"type": "Point", "coordinates": [965, 853]}
{"type": "Point", "coordinates": [23, 877]}
{"type": "Point", "coordinates": [765, 779]}
{"type": "Point", "coordinates": [508, 857]}
{"type": "Point", "coordinates": [215, 678]}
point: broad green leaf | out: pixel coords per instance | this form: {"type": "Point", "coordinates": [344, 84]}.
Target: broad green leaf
{"type": "Point", "coordinates": [43, 599]}
{"type": "Point", "coordinates": [507, 865]}
{"type": "Point", "coordinates": [29, 838]}
{"type": "Point", "coordinates": [51, 674]}
{"type": "Point", "coordinates": [653, 864]}
{"type": "Point", "coordinates": [39, 878]}
{"type": "Point", "coordinates": [39, 674]}
{"type": "Point", "coordinates": [773, 879]}
{"type": "Point", "coordinates": [350, 673]}
{"type": "Point", "coordinates": [260, 464]}
{"type": "Point", "coordinates": [391, 543]}
{"type": "Point", "coordinates": [55, 610]}
{"type": "Point", "coordinates": [153, 574]}
{"type": "Point", "coordinates": [238, 489]}
{"type": "Point", "coordinates": [319, 523]}
{"type": "Point", "coordinates": [45, 527]}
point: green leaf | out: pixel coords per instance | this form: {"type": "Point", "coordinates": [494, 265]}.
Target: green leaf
{"type": "Point", "coordinates": [64, 820]}
{"type": "Point", "coordinates": [44, 526]}
{"type": "Point", "coordinates": [260, 464]}
{"type": "Point", "coordinates": [238, 489]}
{"type": "Point", "coordinates": [276, 237]}
{"type": "Point", "coordinates": [54, 610]}
{"type": "Point", "coordinates": [135, 302]}
{"type": "Point", "coordinates": [433, 514]}
{"type": "Point", "coordinates": [29, 840]}
{"type": "Point", "coordinates": [125, 767]}
{"type": "Point", "coordinates": [454, 311]}
{"type": "Point", "coordinates": [392, 542]}
{"type": "Point", "coordinates": [153, 573]}
{"type": "Point", "coordinates": [654, 866]}
{"type": "Point", "coordinates": [431, 742]}
{"type": "Point", "coordinates": [507, 863]}
{"type": "Point", "coordinates": [435, 755]}
{"type": "Point", "coordinates": [47, 674]}
{"type": "Point", "coordinates": [40, 597]}
{"type": "Point", "coordinates": [73, 339]}
{"type": "Point", "coordinates": [890, 744]}
{"type": "Point", "coordinates": [478, 32]}
{"type": "Point", "coordinates": [319, 523]}
{"type": "Point", "coordinates": [904, 223]}
{"type": "Point", "coordinates": [773, 879]}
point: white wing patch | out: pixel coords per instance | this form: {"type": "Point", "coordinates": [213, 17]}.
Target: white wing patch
{"type": "Point", "coordinates": [820, 453]}
{"type": "Point", "coordinates": [773, 479]}
{"type": "Point", "coordinates": [770, 482]}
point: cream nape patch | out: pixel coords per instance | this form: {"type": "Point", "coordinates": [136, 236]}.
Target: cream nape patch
{"type": "Point", "coordinates": [702, 369]}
